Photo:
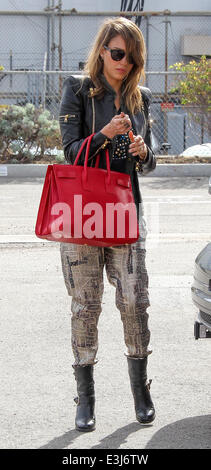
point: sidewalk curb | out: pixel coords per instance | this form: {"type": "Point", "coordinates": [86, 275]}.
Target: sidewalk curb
{"type": "Point", "coordinates": [31, 170]}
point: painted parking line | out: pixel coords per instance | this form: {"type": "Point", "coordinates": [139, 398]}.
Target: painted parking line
{"type": "Point", "coordinates": [21, 239]}
{"type": "Point", "coordinates": [171, 201]}
{"type": "Point", "coordinates": [157, 237]}
{"type": "Point", "coordinates": [189, 235]}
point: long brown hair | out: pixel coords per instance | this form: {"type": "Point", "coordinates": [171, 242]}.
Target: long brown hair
{"type": "Point", "coordinates": [135, 44]}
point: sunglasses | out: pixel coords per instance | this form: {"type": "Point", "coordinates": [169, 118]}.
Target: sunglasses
{"type": "Point", "coordinates": [118, 54]}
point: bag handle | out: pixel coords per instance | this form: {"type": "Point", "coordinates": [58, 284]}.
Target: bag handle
{"type": "Point", "coordinates": [87, 143]}
{"type": "Point", "coordinates": [81, 150]}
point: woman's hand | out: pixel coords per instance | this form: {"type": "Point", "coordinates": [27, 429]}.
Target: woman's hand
{"type": "Point", "coordinates": [137, 146]}
{"type": "Point", "coordinates": [119, 124]}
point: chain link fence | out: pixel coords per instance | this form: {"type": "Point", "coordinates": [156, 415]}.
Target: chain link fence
{"type": "Point", "coordinates": [43, 48]}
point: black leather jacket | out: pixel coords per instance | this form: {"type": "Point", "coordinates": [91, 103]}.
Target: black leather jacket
{"type": "Point", "coordinates": [81, 115]}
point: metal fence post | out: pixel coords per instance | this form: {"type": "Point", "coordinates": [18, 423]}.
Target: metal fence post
{"type": "Point", "coordinates": [44, 80]}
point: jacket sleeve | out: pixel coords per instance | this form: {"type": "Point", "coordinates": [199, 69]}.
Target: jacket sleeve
{"type": "Point", "coordinates": [71, 115]}
{"type": "Point", "coordinates": [149, 164]}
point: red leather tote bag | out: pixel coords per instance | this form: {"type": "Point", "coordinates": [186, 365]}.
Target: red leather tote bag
{"type": "Point", "coordinates": [87, 205]}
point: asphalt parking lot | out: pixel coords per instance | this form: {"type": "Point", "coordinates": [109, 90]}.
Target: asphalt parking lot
{"type": "Point", "coordinates": [37, 384]}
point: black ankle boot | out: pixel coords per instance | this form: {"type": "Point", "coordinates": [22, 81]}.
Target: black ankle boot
{"type": "Point", "coordinates": [85, 418]}
{"type": "Point", "coordinates": [145, 411]}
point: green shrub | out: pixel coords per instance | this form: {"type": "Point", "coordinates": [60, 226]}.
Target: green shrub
{"type": "Point", "coordinates": [195, 90]}
{"type": "Point", "coordinates": [27, 133]}
{"type": "Point", "coordinates": [60, 157]}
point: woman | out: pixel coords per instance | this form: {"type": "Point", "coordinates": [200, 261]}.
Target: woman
{"type": "Point", "coordinates": [110, 103]}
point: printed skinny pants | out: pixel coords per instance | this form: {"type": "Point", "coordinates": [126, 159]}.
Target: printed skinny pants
{"type": "Point", "coordinates": [82, 267]}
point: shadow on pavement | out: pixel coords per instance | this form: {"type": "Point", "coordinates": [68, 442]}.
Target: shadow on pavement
{"type": "Point", "coordinates": [189, 433]}
{"type": "Point", "coordinates": [119, 437]}
{"type": "Point", "coordinates": [62, 441]}
{"type": "Point", "coordinates": [112, 441]}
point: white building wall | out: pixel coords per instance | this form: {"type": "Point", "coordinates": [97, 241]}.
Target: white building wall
{"type": "Point", "coordinates": [107, 5]}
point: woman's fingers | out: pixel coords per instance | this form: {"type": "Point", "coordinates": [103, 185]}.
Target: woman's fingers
{"type": "Point", "coordinates": [127, 122]}
{"type": "Point", "coordinates": [138, 147]}
{"type": "Point", "coordinates": [122, 123]}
